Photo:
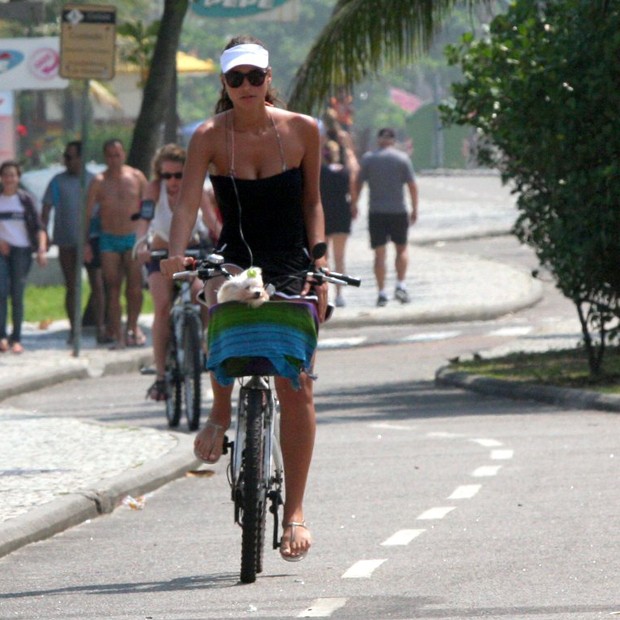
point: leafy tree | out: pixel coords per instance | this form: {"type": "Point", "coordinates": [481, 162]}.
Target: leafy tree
{"type": "Point", "coordinates": [544, 92]}
{"type": "Point", "coordinates": [362, 38]}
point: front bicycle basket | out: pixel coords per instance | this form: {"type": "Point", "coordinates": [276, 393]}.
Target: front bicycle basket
{"type": "Point", "coordinates": [277, 338]}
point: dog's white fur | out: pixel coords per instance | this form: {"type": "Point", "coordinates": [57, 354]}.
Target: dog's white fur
{"type": "Point", "coordinates": [246, 286]}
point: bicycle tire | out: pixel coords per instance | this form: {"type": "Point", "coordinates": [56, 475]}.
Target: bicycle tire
{"type": "Point", "coordinates": [254, 493]}
{"type": "Point", "coordinates": [192, 372]}
{"type": "Point", "coordinates": [174, 401]}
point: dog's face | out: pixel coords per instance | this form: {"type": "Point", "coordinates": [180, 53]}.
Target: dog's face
{"type": "Point", "coordinates": [247, 287]}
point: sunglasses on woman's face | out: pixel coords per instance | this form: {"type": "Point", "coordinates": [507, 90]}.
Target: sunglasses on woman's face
{"type": "Point", "coordinates": [256, 77]}
{"type": "Point", "coordinates": [171, 175]}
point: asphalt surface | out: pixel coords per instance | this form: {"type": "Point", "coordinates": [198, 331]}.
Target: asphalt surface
{"type": "Point", "coordinates": [46, 488]}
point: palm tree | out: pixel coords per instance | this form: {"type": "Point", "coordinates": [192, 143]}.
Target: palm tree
{"type": "Point", "coordinates": [161, 81]}
{"type": "Point", "coordinates": [361, 37]}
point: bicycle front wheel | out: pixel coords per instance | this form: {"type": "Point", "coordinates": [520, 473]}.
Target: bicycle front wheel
{"type": "Point", "coordinates": [254, 493]}
{"type": "Point", "coordinates": [192, 371]}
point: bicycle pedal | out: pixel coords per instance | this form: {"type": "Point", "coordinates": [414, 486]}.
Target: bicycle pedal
{"type": "Point", "coordinates": [227, 444]}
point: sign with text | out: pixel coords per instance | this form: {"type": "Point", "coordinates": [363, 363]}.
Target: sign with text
{"type": "Point", "coordinates": [234, 8]}
{"type": "Point", "coordinates": [30, 64]}
{"type": "Point", "coordinates": [88, 41]}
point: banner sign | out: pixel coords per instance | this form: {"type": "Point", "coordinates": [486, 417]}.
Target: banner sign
{"type": "Point", "coordinates": [234, 8]}
{"type": "Point", "coordinates": [30, 64]}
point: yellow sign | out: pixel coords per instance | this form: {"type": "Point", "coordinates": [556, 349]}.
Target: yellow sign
{"type": "Point", "coordinates": [88, 41]}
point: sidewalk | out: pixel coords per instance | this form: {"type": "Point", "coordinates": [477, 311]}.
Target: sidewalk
{"type": "Point", "coordinates": [44, 490]}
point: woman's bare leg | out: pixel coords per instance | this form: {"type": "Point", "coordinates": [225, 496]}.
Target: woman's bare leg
{"type": "Point", "coordinates": [297, 432]}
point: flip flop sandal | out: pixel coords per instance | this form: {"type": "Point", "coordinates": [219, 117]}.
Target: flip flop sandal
{"type": "Point", "coordinates": [135, 339]}
{"type": "Point", "coordinates": [289, 557]}
{"type": "Point", "coordinates": [158, 391]}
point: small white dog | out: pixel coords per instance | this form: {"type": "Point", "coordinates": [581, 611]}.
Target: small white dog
{"type": "Point", "coordinates": [246, 286]}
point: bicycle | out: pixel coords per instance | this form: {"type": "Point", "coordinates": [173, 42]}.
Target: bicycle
{"type": "Point", "coordinates": [184, 358]}
{"type": "Point", "coordinates": [241, 347]}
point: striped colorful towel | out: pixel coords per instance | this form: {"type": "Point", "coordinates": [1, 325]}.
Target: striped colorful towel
{"type": "Point", "coordinates": [277, 338]}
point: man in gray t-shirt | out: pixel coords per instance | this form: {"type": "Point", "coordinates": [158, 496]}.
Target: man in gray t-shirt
{"type": "Point", "coordinates": [63, 195]}
{"type": "Point", "coordinates": [387, 170]}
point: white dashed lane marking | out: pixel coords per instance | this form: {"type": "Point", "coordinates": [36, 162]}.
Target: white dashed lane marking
{"type": "Point", "coordinates": [435, 513]}
{"type": "Point", "coordinates": [402, 537]}
{"type": "Point", "coordinates": [522, 330]}
{"type": "Point", "coordinates": [323, 608]}
{"type": "Point", "coordinates": [362, 569]}
{"type": "Point", "coordinates": [341, 343]}
{"type": "Point", "coordinates": [488, 443]}
{"type": "Point", "coordinates": [486, 470]}
{"type": "Point", "coordinates": [501, 455]}
{"type": "Point", "coordinates": [465, 491]}
{"type": "Point", "coordinates": [430, 337]}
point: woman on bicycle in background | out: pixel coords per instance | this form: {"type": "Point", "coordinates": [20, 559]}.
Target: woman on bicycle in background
{"type": "Point", "coordinates": [264, 164]}
{"type": "Point", "coordinates": [164, 191]}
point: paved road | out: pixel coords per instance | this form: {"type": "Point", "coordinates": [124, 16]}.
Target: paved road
{"type": "Point", "coordinates": [56, 472]}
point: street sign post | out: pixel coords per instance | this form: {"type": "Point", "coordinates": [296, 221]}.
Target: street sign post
{"type": "Point", "coordinates": [87, 51]}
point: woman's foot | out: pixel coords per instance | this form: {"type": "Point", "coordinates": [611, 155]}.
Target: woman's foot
{"type": "Point", "coordinates": [4, 345]}
{"type": "Point", "coordinates": [209, 442]}
{"type": "Point", "coordinates": [17, 348]}
{"type": "Point", "coordinates": [295, 542]}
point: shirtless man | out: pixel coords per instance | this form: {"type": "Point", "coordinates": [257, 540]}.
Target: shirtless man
{"type": "Point", "coordinates": [118, 191]}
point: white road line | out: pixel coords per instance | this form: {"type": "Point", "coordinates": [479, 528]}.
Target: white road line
{"type": "Point", "coordinates": [333, 343]}
{"type": "Point", "coordinates": [402, 537]}
{"type": "Point", "coordinates": [511, 331]}
{"type": "Point", "coordinates": [430, 336]}
{"type": "Point", "coordinates": [488, 443]}
{"type": "Point", "coordinates": [444, 435]}
{"type": "Point", "coordinates": [392, 427]}
{"type": "Point", "coordinates": [436, 513]}
{"type": "Point", "coordinates": [362, 569]}
{"type": "Point", "coordinates": [465, 491]}
{"type": "Point", "coordinates": [486, 470]}
{"type": "Point", "coordinates": [502, 455]}
{"type": "Point", "coordinates": [323, 608]}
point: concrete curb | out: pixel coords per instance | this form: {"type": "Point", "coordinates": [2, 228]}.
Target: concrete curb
{"type": "Point", "coordinates": [568, 397]}
{"type": "Point", "coordinates": [56, 516]}
{"type": "Point", "coordinates": [447, 314]}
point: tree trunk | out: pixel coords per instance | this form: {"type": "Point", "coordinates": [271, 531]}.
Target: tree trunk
{"type": "Point", "coordinates": [155, 101]}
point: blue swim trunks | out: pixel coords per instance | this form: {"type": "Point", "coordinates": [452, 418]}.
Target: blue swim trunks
{"type": "Point", "coordinates": [116, 243]}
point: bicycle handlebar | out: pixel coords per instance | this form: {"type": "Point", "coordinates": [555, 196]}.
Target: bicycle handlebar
{"type": "Point", "coordinates": [211, 267]}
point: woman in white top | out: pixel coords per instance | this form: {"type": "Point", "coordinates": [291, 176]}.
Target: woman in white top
{"type": "Point", "coordinates": [21, 234]}
{"type": "Point", "coordinates": [164, 190]}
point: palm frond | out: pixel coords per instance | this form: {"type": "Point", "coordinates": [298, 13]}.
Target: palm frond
{"type": "Point", "coordinates": [361, 37]}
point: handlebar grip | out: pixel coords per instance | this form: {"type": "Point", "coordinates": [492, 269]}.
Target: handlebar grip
{"type": "Point", "coordinates": [181, 275]}
{"type": "Point", "coordinates": [348, 280]}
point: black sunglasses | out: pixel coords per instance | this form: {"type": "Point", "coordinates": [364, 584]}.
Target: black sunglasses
{"type": "Point", "coordinates": [171, 175]}
{"type": "Point", "coordinates": [256, 77]}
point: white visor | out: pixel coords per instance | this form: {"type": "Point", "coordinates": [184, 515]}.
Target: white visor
{"type": "Point", "coordinates": [244, 54]}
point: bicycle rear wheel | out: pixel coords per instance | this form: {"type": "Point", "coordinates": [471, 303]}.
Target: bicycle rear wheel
{"type": "Point", "coordinates": [254, 492]}
{"type": "Point", "coordinates": [192, 371]}
{"type": "Point", "coordinates": [173, 386]}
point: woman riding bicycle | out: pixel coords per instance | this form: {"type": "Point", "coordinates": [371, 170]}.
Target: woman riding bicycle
{"type": "Point", "coordinates": [163, 190]}
{"type": "Point", "coordinates": [264, 163]}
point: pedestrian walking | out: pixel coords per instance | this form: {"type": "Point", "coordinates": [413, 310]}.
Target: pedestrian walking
{"type": "Point", "coordinates": [387, 171]}
{"type": "Point", "coordinates": [337, 190]}
{"type": "Point", "coordinates": [63, 197]}
{"type": "Point", "coordinates": [118, 191]}
{"type": "Point", "coordinates": [265, 164]}
{"type": "Point", "coordinates": [21, 233]}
